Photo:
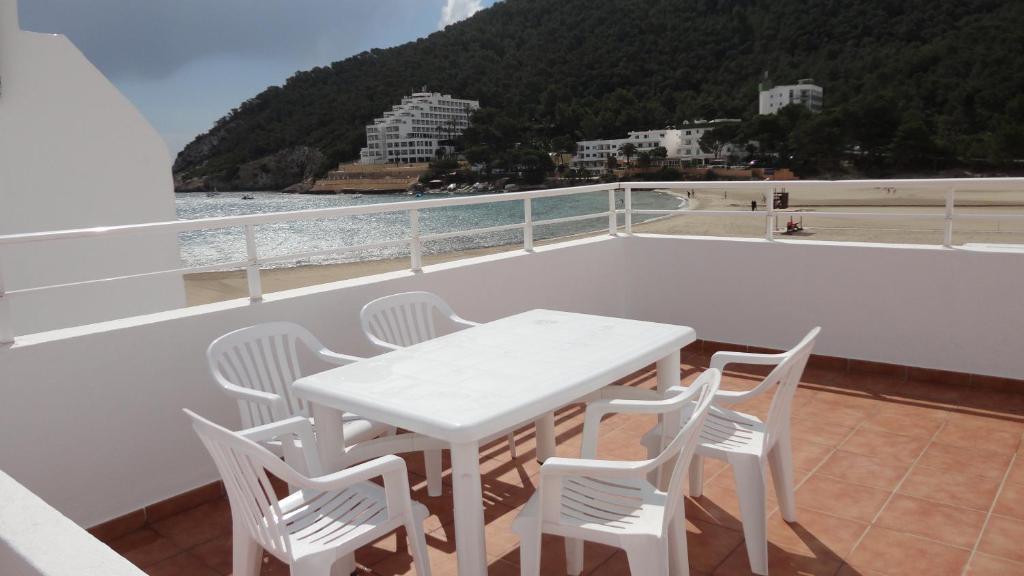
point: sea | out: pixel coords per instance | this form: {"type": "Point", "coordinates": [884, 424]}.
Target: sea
{"type": "Point", "coordinates": [211, 247]}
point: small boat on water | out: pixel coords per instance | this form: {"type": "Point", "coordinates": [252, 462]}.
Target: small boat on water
{"type": "Point", "coordinates": [357, 195]}
{"type": "Point", "coordinates": [248, 197]}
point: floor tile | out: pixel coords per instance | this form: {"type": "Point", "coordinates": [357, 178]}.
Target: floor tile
{"type": "Point", "coordinates": [816, 431]}
{"type": "Point", "coordinates": [947, 524]}
{"type": "Point", "coordinates": [198, 525]}
{"type": "Point", "coordinates": [780, 563]}
{"type": "Point", "coordinates": [885, 445]}
{"type": "Point", "coordinates": [144, 547]}
{"type": "Point", "coordinates": [969, 435]}
{"type": "Point", "coordinates": [979, 461]}
{"type": "Point", "coordinates": [864, 470]}
{"type": "Point", "coordinates": [900, 554]}
{"type": "Point", "coordinates": [1010, 501]}
{"type": "Point", "coordinates": [923, 425]}
{"type": "Point", "coordinates": [953, 487]}
{"type": "Point", "coordinates": [983, 565]}
{"type": "Point", "coordinates": [184, 563]}
{"type": "Point", "coordinates": [1003, 537]}
{"type": "Point", "coordinates": [815, 534]}
{"type": "Point", "coordinates": [843, 499]}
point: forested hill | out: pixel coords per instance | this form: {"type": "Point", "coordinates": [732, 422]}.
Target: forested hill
{"type": "Point", "coordinates": [567, 69]}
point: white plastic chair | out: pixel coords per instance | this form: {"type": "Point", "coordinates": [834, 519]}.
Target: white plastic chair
{"type": "Point", "coordinates": [399, 320]}
{"type": "Point", "coordinates": [613, 503]}
{"type": "Point", "coordinates": [749, 444]}
{"type": "Point", "coordinates": [326, 520]}
{"type": "Point", "coordinates": [257, 366]}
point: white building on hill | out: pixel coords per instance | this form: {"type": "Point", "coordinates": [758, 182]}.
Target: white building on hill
{"type": "Point", "coordinates": [680, 144]}
{"type": "Point", "coordinates": [414, 130]}
{"type": "Point", "coordinates": [804, 92]}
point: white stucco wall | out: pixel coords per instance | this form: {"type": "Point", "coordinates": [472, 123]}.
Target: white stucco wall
{"type": "Point", "coordinates": [924, 306]}
{"type": "Point", "coordinates": [91, 416]}
{"type": "Point", "coordinates": [75, 153]}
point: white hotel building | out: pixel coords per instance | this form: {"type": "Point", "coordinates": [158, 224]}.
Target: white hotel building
{"type": "Point", "coordinates": [681, 144]}
{"type": "Point", "coordinates": [804, 92]}
{"type": "Point", "coordinates": [414, 130]}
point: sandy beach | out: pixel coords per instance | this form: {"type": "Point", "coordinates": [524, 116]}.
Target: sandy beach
{"type": "Point", "coordinates": [204, 288]}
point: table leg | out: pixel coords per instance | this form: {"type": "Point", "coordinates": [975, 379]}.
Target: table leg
{"type": "Point", "coordinates": [470, 544]}
{"type": "Point", "coordinates": [668, 371]}
{"type": "Point", "coordinates": [330, 437]}
{"type": "Point", "coordinates": [668, 376]}
{"type": "Point", "coordinates": [545, 430]}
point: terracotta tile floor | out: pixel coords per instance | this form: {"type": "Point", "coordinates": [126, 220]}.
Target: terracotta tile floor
{"type": "Point", "coordinates": [894, 478]}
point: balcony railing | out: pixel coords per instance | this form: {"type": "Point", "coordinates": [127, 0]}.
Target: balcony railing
{"type": "Point", "coordinates": [415, 240]}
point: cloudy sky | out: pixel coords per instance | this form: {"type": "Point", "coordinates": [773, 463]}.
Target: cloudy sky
{"type": "Point", "coordinates": [186, 62]}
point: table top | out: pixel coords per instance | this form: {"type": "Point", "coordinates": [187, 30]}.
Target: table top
{"type": "Point", "coordinates": [472, 384]}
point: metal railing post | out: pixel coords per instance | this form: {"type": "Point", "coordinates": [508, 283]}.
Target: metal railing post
{"type": "Point", "coordinates": [527, 225]}
{"type": "Point", "coordinates": [612, 217]}
{"type": "Point", "coordinates": [415, 247]}
{"type": "Point", "coordinates": [947, 235]}
{"type": "Point", "coordinates": [252, 271]}
{"type": "Point", "coordinates": [769, 203]}
{"type": "Point", "coordinates": [6, 326]}
{"type": "Point", "coordinates": [628, 194]}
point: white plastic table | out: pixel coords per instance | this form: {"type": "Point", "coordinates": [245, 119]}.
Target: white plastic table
{"type": "Point", "coordinates": [470, 385]}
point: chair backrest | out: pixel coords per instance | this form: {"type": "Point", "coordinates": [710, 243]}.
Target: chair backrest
{"type": "Point", "coordinates": [265, 358]}
{"type": "Point", "coordinates": [243, 466]}
{"type": "Point", "coordinates": [401, 320]}
{"type": "Point", "coordinates": [787, 376]}
{"type": "Point", "coordinates": [684, 443]}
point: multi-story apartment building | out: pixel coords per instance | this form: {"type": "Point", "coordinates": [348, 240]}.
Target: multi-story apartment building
{"type": "Point", "coordinates": [416, 129]}
{"type": "Point", "coordinates": [805, 92]}
{"type": "Point", "coordinates": [680, 144]}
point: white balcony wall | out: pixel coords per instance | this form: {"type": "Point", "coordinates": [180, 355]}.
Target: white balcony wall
{"type": "Point", "coordinates": [91, 417]}
{"type": "Point", "coordinates": [75, 153]}
{"type": "Point", "coordinates": [924, 306]}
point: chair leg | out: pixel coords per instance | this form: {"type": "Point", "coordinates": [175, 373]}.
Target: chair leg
{"type": "Point", "coordinates": [418, 547]}
{"type": "Point", "coordinates": [696, 476]}
{"type": "Point", "coordinates": [322, 565]}
{"type": "Point", "coordinates": [344, 566]}
{"type": "Point", "coordinates": [246, 553]}
{"type": "Point", "coordinates": [512, 445]}
{"type": "Point", "coordinates": [750, 489]}
{"type": "Point", "coordinates": [573, 556]}
{"type": "Point", "coordinates": [529, 551]}
{"type": "Point", "coordinates": [649, 558]}
{"type": "Point", "coordinates": [780, 459]}
{"type": "Point", "coordinates": [432, 461]}
{"type": "Point", "coordinates": [678, 554]}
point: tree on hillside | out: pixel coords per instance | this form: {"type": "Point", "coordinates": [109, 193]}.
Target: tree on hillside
{"type": "Point", "coordinates": [712, 141]}
{"type": "Point", "coordinates": [628, 150]}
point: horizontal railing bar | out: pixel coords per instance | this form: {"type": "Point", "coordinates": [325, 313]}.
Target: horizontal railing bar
{"type": "Point", "coordinates": [470, 232]}
{"type": "Point", "coordinates": [938, 184]}
{"type": "Point", "coordinates": [573, 218]}
{"type": "Point", "coordinates": [960, 184]}
{"type": "Point", "coordinates": [277, 217]}
{"type": "Point", "coordinates": [331, 251]}
{"type": "Point", "coordinates": [986, 216]}
{"type": "Point", "coordinates": [684, 212]}
{"type": "Point", "coordinates": [222, 267]}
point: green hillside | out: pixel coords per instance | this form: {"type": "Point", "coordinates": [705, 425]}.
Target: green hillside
{"type": "Point", "coordinates": [942, 77]}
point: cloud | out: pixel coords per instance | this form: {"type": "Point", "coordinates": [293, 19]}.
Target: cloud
{"type": "Point", "coordinates": [455, 10]}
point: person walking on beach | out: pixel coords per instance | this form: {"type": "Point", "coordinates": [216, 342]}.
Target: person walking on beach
{"type": "Point", "coordinates": [753, 205]}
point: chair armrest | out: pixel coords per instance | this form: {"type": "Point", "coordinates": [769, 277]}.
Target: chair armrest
{"type": "Point", "coordinates": [336, 357]}
{"type": "Point", "coordinates": [250, 395]}
{"type": "Point", "coordinates": [591, 467]}
{"type": "Point", "coordinates": [721, 359]}
{"type": "Point", "coordinates": [378, 342]}
{"type": "Point", "coordinates": [298, 426]}
{"type": "Point", "coordinates": [597, 410]}
{"type": "Point", "coordinates": [391, 468]}
{"type": "Point", "coordinates": [462, 321]}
